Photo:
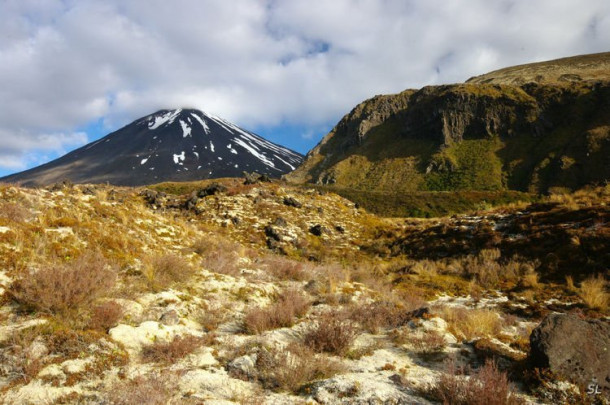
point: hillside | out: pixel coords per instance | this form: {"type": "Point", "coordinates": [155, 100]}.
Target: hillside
{"type": "Point", "coordinates": [267, 293]}
{"type": "Point", "coordinates": [168, 145]}
{"type": "Point", "coordinates": [492, 133]}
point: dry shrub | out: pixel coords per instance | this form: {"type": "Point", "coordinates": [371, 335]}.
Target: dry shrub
{"type": "Point", "coordinates": [487, 386]}
{"type": "Point", "coordinates": [285, 269]}
{"type": "Point", "coordinates": [593, 291]}
{"type": "Point", "coordinates": [334, 333]}
{"type": "Point", "coordinates": [223, 258]}
{"type": "Point", "coordinates": [68, 288]}
{"type": "Point", "coordinates": [471, 323]}
{"type": "Point", "coordinates": [290, 368]}
{"type": "Point", "coordinates": [382, 314]}
{"type": "Point", "coordinates": [290, 305]}
{"type": "Point", "coordinates": [152, 389]}
{"type": "Point", "coordinates": [169, 352]}
{"type": "Point", "coordinates": [106, 315]}
{"type": "Point", "coordinates": [165, 270]}
{"type": "Point", "coordinates": [13, 211]}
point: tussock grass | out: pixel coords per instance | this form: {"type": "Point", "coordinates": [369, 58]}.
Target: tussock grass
{"type": "Point", "coordinates": [291, 368]}
{"type": "Point", "coordinates": [471, 323]}
{"type": "Point", "coordinates": [593, 291]}
{"type": "Point", "coordinates": [163, 271]}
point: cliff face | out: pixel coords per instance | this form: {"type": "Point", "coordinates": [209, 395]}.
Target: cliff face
{"type": "Point", "coordinates": [471, 136]}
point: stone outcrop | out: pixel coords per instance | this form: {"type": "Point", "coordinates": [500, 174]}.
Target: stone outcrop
{"type": "Point", "coordinates": [573, 348]}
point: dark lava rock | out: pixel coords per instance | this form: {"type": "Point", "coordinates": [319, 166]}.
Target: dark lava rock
{"type": "Point", "coordinates": [339, 229]}
{"type": "Point", "coordinates": [212, 189]}
{"type": "Point", "coordinates": [291, 202]}
{"type": "Point", "coordinates": [272, 233]}
{"type": "Point", "coordinates": [254, 177]}
{"type": "Point", "coordinates": [573, 348]}
{"type": "Point", "coordinates": [317, 230]}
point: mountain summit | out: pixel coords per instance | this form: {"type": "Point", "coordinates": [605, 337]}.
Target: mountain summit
{"type": "Point", "coordinates": [169, 145]}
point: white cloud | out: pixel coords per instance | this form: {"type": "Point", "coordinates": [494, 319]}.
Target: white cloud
{"type": "Point", "coordinates": [66, 63]}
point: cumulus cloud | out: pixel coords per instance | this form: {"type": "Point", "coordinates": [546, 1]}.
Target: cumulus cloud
{"type": "Point", "coordinates": [66, 63]}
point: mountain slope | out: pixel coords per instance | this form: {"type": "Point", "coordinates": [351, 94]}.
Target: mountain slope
{"type": "Point", "coordinates": [476, 135]}
{"type": "Point", "coordinates": [169, 145]}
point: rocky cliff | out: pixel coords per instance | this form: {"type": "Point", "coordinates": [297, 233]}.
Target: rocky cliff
{"type": "Point", "coordinates": [481, 135]}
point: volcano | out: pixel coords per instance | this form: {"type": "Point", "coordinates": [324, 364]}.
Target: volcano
{"type": "Point", "coordinates": [169, 145]}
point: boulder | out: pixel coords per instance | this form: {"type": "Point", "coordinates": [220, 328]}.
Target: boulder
{"type": "Point", "coordinates": [573, 348]}
{"type": "Point", "coordinates": [292, 202]}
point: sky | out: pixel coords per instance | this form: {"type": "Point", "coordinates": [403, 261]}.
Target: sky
{"type": "Point", "coordinates": [72, 71]}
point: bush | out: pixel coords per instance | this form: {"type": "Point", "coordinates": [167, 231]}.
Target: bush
{"type": "Point", "coordinates": [289, 369]}
{"type": "Point", "coordinates": [169, 352]}
{"type": "Point", "coordinates": [66, 288]}
{"type": "Point", "coordinates": [105, 316]}
{"type": "Point", "coordinates": [593, 293]}
{"type": "Point", "coordinates": [334, 333]}
{"type": "Point", "coordinates": [285, 269]}
{"type": "Point", "coordinates": [378, 315]}
{"type": "Point", "coordinates": [152, 389]}
{"type": "Point", "coordinates": [164, 270]}
{"type": "Point", "coordinates": [487, 386]}
{"type": "Point", "coordinates": [290, 305]}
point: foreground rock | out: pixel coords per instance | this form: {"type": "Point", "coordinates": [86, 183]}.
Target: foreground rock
{"type": "Point", "coordinates": [573, 348]}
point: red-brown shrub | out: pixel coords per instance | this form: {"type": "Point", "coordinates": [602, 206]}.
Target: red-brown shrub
{"type": "Point", "coordinates": [65, 288]}
{"type": "Point", "coordinates": [334, 333]}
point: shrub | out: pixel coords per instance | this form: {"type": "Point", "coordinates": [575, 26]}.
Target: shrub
{"type": "Point", "coordinates": [487, 386]}
{"type": "Point", "coordinates": [334, 333]}
{"type": "Point", "coordinates": [285, 269]}
{"type": "Point", "coordinates": [164, 270]}
{"type": "Point", "coordinates": [65, 288]}
{"type": "Point", "coordinates": [290, 305]}
{"type": "Point", "coordinates": [470, 323]}
{"type": "Point", "coordinates": [290, 368]}
{"type": "Point", "coordinates": [169, 352]}
{"type": "Point", "coordinates": [153, 389]}
{"type": "Point", "coordinates": [593, 293]}
{"type": "Point", "coordinates": [106, 315]}
{"type": "Point", "coordinates": [378, 315]}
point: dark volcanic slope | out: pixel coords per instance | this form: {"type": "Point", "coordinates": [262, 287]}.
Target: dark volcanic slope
{"type": "Point", "coordinates": [169, 145]}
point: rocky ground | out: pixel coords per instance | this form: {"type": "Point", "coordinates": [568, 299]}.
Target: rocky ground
{"type": "Point", "coordinates": [271, 294]}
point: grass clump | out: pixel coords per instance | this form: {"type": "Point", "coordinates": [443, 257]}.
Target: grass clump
{"type": "Point", "coordinates": [153, 389]}
{"type": "Point", "coordinates": [471, 323]}
{"type": "Point", "coordinates": [289, 369]}
{"type": "Point", "coordinates": [162, 271]}
{"type": "Point", "coordinates": [593, 291]}
{"type": "Point", "coordinates": [289, 306]}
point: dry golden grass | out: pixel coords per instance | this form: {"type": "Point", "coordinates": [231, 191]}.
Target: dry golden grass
{"type": "Point", "coordinates": [594, 292]}
{"type": "Point", "coordinates": [164, 271]}
{"type": "Point", "coordinates": [471, 323]}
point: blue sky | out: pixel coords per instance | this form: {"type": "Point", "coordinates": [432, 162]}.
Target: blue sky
{"type": "Point", "coordinates": [75, 70]}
